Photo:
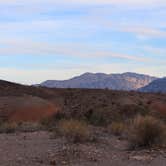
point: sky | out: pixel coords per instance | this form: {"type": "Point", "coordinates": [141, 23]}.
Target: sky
{"type": "Point", "coordinates": [52, 39]}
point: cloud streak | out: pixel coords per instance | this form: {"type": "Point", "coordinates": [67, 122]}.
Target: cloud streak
{"type": "Point", "coordinates": [145, 32]}
{"type": "Point", "coordinates": [21, 47]}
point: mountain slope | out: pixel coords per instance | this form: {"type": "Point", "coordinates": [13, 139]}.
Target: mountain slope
{"type": "Point", "coordinates": [125, 81]}
{"type": "Point", "coordinates": [158, 85]}
{"type": "Point", "coordinates": [25, 103]}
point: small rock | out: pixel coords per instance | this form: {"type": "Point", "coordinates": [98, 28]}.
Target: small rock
{"type": "Point", "coordinates": [141, 158]}
{"type": "Point", "coordinates": [64, 162]}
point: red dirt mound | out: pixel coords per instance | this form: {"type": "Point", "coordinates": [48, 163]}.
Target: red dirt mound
{"type": "Point", "coordinates": [159, 107]}
{"type": "Point", "coordinates": [26, 108]}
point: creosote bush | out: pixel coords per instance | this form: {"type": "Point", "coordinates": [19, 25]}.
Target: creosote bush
{"type": "Point", "coordinates": [29, 127]}
{"type": "Point", "coordinates": [146, 132]}
{"type": "Point", "coordinates": [98, 117]}
{"type": "Point", "coordinates": [117, 128]}
{"type": "Point", "coordinates": [50, 123]}
{"type": "Point", "coordinates": [74, 130]}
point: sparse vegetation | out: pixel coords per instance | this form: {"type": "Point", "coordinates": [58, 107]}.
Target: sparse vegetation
{"type": "Point", "coordinates": [8, 127]}
{"type": "Point", "coordinates": [74, 130]}
{"type": "Point", "coordinates": [88, 126]}
{"type": "Point", "coordinates": [99, 117]}
{"type": "Point", "coordinates": [117, 128]}
{"type": "Point", "coordinates": [11, 127]}
{"type": "Point", "coordinates": [146, 132]}
{"type": "Point", "coordinates": [132, 110]}
{"type": "Point", "coordinates": [29, 127]}
{"type": "Point", "coordinates": [50, 123]}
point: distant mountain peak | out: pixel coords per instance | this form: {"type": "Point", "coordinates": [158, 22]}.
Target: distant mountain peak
{"type": "Point", "coordinates": [94, 74]}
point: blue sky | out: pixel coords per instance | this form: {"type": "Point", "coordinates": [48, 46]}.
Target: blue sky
{"type": "Point", "coordinates": [48, 39]}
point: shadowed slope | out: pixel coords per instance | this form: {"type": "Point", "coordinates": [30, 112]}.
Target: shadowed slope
{"type": "Point", "coordinates": [25, 103]}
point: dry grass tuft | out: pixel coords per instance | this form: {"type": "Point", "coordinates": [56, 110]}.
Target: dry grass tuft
{"type": "Point", "coordinates": [146, 132]}
{"type": "Point", "coordinates": [12, 127]}
{"type": "Point", "coordinates": [74, 130]}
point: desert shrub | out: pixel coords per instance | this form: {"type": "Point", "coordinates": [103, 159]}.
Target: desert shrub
{"type": "Point", "coordinates": [140, 103]}
{"type": "Point", "coordinates": [50, 123]}
{"type": "Point", "coordinates": [8, 127]}
{"type": "Point", "coordinates": [29, 127]}
{"type": "Point", "coordinates": [143, 110]}
{"type": "Point", "coordinates": [117, 128]}
{"type": "Point", "coordinates": [132, 110]}
{"type": "Point", "coordinates": [146, 132]}
{"type": "Point", "coordinates": [11, 127]}
{"type": "Point", "coordinates": [98, 117]}
{"type": "Point", "coordinates": [74, 130]}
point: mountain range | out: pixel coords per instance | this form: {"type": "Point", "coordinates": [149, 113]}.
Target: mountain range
{"type": "Point", "coordinates": [125, 81]}
{"type": "Point", "coordinates": [158, 85]}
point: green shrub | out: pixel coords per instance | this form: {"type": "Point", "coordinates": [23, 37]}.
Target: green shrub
{"type": "Point", "coordinates": [99, 117]}
{"type": "Point", "coordinates": [146, 132]}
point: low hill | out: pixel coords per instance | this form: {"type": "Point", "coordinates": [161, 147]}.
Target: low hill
{"type": "Point", "coordinates": [158, 85]}
{"type": "Point", "coordinates": [25, 103]}
{"type": "Point", "coordinates": [28, 103]}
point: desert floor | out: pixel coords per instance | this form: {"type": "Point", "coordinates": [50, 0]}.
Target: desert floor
{"type": "Point", "coordinates": [40, 149]}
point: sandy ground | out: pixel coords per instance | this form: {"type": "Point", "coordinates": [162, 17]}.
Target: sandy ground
{"type": "Point", "coordinates": [39, 149]}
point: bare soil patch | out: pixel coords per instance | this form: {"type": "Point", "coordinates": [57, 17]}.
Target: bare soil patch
{"type": "Point", "coordinates": [38, 149]}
